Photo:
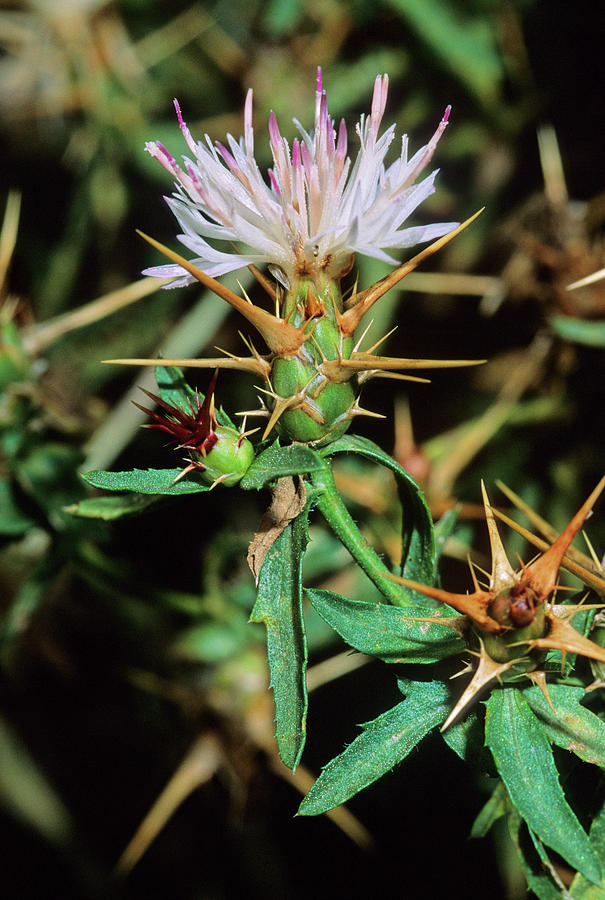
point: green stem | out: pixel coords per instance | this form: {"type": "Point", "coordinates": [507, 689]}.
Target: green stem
{"type": "Point", "coordinates": [340, 521]}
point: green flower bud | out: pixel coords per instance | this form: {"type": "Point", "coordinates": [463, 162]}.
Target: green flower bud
{"type": "Point", "coordinates": [228, 460]}
{"type": "Point", "coordinates": [219, 453]}
{"type": "Point", "coordinates": [314, 404]}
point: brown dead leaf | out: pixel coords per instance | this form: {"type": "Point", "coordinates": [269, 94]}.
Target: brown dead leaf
{"type": "Point", "coordinates": [288, 501]}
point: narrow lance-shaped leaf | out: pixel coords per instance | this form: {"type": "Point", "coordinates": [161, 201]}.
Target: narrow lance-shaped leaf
{"type": "Point", "coordinates": [589, 332]}
{"type": "Point", "coordinates": [330, 504]}
{"type": "Point", "coordinates": [545, 887]}
{"type": "Point", "coordinates": [390, 632]}
{"type": "Point", "coordinates": [279, 607]}
{"type": "Point", "coordinates": [525, 763]}
{"type": "Point", "coordinates": [539, 879]}
{"type": "Point", "coordinates": [109, 509]}
{"type": "Point", "coordinates": [444, 529]}
{"type": "Point", "coordinates": [492, 810]}
{"type": "Point", "coordinates": [567, 723]}
{"type": "Point", "coordinates": [147, 481]}
{"type": "Point", "coordinates": [383, 743]}
{"type": "Point", "coordinates": [466, 738]}
{"type": "Point", "coordinates": [13, 521]}
{"type": "Point", "coordinates": [581, 889]}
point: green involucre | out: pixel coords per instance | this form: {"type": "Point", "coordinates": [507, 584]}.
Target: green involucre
{"type": "Point", "coordinates": [229, 459]}
{"type": "Point", "coordinates": [328, 403]}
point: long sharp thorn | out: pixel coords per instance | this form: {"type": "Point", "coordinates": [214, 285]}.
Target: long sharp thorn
{"type": "Point", "coordinates": [359, 304]}
{"type": "Point", "coordinates": [262, 280]}
{"type": "Point", "coordinates": [538, 677]}
{"type": "Point", "coordinates": [588, 279]}
{"type": "Point", "coordinates": [365, 331]}
{"type": "Point", "coordinates": [592, 551]}
{"type": "Point", "coordinates": [472, 605]}
{"type": "Point", "coordinates": [257, 365]}
{"type": "Point", "coordinates": [487, 670]}
{"type": "Point", "coordinates": [280, 336]}
{"type": "Point", "coordinates": [382, 339]}
{"type": "Point", "coordinates": [586, 575]}
{"type": "Point", "coordinates": [563, 636]}
{"type": "Point", "coordinates": [503, 575]}
{"type": "Point", "coordinates": [473, 576]}
{"type": "Point", "coordinates": [282, 405]}
{"type": "Point", "coordinates": [368, 374]}
{"type": "Point", "coordinates": [544, 571]}
{"type": "Point", "coordinates": [363, 361]}
{"type": "Point", "coordinates": [246, 297]}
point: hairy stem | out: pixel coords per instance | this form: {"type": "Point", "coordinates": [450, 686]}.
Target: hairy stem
{"type": "Point", "coordinates": [340, 521]}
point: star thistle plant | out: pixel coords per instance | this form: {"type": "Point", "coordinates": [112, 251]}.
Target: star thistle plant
{"type": "Point", "coordinates": [306, 221]}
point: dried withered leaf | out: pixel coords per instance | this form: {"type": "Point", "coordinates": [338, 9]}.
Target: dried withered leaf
{"type": "Point", "coordinates": [288, 501]}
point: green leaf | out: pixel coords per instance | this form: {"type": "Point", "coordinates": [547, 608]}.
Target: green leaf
{"type": "Point", "coordinates": [147, 481]}
{"type": "Point", "coordinates": [111, 508]}
{"type": "Point", "coordinates": [48, 473]}
{"type": "Point", "coordinates": [525, 763]}
{"type": "Point", "coordinates": [329, 502]}
{"type": "Point", "coordinates": [279, 607]}
{"type": "Point", "coordinates": [385, 631]}
{"type": "Point", "coordinates": [543, 885]}
{"type": "Point", "coordinates": [494, 809]}
{"type": "Point", "coordinates": [466, 739]}
{"type": "Point", "coordinates": [383, 743]}
{"type": "Point", "coordinates": [418, 544]}
{"type": "Point", "coordinates": [277, 462]}
{"type": "Point", "coordinates": [209, 642]}
{"type": "Point", "coordinates": [466, 45]}
{"type": "Point", "coordinates": [580, 331]}
{"type": "Point", "coordinates": [538, 878]}
{"type": "Point", "coordinates": [12, 521]}
{"type": "Point", "coordinates": [27, 793]}
{"type": "Point", "coordinates": [173, 388]}
{"type": "Point", "coordinates": [581, 889]}
{"type": "Point", "coordinates": [282, 16]}
{"type": "Point", "coordinates": [15, 363]}
{"type": "Point", "coordinates": [27, 599]}
{"type": "Point", "coordinates": [569, 725]}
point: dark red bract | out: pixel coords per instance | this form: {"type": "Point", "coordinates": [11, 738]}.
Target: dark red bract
{"type": "Point", "coordinates": [190, 431]}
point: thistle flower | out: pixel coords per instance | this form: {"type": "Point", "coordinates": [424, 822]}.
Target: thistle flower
{"type": "Point", "coordinates": [317, 209]}
{"type": "Point", "coordinates": [516, 618]}
{"type": "Point", "coordinates": [220, 453]}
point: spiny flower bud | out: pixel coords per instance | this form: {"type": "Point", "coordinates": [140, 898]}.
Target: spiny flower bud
{"type": "Point", "coordinates": [220, 454]}
{"type": "Point", "coordinates": [515, 618]}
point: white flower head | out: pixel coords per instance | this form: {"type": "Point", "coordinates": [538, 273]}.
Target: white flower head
{"type": "Point", "coordinates": [315, 211]}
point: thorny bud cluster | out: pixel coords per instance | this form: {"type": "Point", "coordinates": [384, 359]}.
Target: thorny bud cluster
{"type": "Point", "coordinates": [515, 620]}
{"type": "Point", "coordinates": [219, 453]}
